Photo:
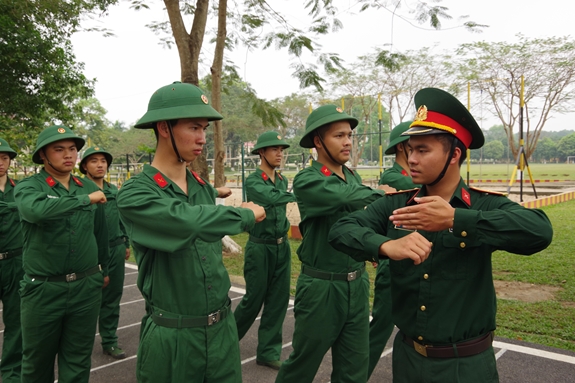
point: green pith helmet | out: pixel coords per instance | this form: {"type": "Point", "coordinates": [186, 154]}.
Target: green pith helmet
{"type": "Point", "coordinates": [175, 101]}
{"type": "Point", "coordinates": [324, 115]}
{"type": "Point", "coordinates": [94, 150]}
{"type": "Point", "coordinates": [396, 138]}
{"type": "Point", "coordinates": [52, 134]}
{"type": "Point", "coordinates": [5, 148]}
{"type": "Point", "coordinates": [268, 139]}
{"type": "Point", "coordinates": [439, 112]}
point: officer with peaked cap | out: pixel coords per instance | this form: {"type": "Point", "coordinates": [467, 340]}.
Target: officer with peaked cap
{"type": "Point", "coordinates": [443, 301]}
{"type": "Point", "coordinates": [65, 261]}
{"type": "Point", "coordinates": [393, 179]}
{"type": "Point", "coordinates": [331, 303]}
{"type": "Point", "coordinates": [188, 333]}
{"type": "Point", "coordinates": [95, 164]}
{"type": "Point", "coordinates": [10, 270]}
{"type": "Point", "coordinates": [267, 258]}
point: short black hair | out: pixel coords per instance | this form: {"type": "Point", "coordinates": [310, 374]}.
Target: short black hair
{"type": "Point", "coordinates": [171, 123]}
{"type": "Point", "coordinates": [447, 140]}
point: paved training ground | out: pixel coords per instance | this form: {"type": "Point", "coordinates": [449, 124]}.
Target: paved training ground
{"type": "Point", "coordinates": [518, 362]}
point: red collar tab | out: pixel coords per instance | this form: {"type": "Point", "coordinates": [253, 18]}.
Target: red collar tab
{"type": "Point", "coordinates": [159, 178]}
{"type": "Point", "coordinates": [325, 171]}
{"type": "Point", "coordinates": [465, 197]}
{"type": "Point", "coordinates": [198, 178]}
{"type": "Point", "coordinates": [12, 182]}
{"type": "Point", "coordinates": [265, 176]}
{"type": "Point", "coordinates": [404, 172]}
{"type": "Point", "coordinates": [78, 182]}
{"type": "Point", "coordinates": [50, 181]}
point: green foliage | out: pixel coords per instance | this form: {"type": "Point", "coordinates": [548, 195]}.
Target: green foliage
{"type": "Point", "coordinates": [566, 146]}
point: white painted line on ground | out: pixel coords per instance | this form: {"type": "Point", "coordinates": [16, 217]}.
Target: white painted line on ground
{"type": "Point", "coordinates": [535, 352]}
{"type": "Point", "coordinates": [132, 273]}
{"type": "Point", "coordinates": [126, 286]}
{"type": "Point", "coordinates": [254, 358]}
{"type": "Point", "coordinates": [125, 327]}
{"type": "Point", "coordinates": [130, 302]}
{"type": "Point", "coordinates": [113, 363]}
{"type": "Point", "coordinates": [131, 266]}
{"type": "Point", "coordinates": [500, 353]}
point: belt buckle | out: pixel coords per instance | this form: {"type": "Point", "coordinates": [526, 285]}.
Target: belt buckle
{"type": "Point", "coordinates": [420, 348]}
{"type": "Point", "coordinates": [352, 276]}
{"type": "Point", "coordinates": [70, 277]}
{"type": "Point", "coordinates": [280, 240]}
{"type": "Point", "coordinates": [214, 318]}
{"type": "Point", "coordinates": [3, 255]}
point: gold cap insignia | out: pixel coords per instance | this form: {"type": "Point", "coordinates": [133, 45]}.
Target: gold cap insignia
{"type": "Point", "coordinates": [61, 130]}
{"type": "Point", "coordinates": [96, 148]}
{"type": "Point", "coordinates": [339, 110]}
{"type": "Point", "coordinates": [421, 114]}
{"type": "Point", "coordinates": [204, 99]}
{"type": "Point", "coordinates": [279, 137]}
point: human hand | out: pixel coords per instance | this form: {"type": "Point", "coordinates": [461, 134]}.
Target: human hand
{"type": "Point", "coordinates": [127, 254]}
{"type": "Point", "coordinates": [224, 192]}
{"type": "Point", "coordinates": [430, 214]}
{"type": "Point", "coordinates": [259, 212]}
{"type": "Point", "coordinates": [106, 282]}
{"type": "Point", "coordinates": [97, 197]}
{"type": "Point", "coordinates": [413, 246]}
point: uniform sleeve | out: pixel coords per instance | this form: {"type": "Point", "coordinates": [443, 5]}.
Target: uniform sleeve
{"type": "Point", "coordinates": [101, 233]}
{"type": "Point", "coordinates": [266, 195]}
{"type": "Point", "coordinates": [7, 207]}
{"type": "Point", "coordinates": [324, 195]}
{"type": "Point", "coordinates": [505, 225]}
{"type": "Point", "coordinates": [396, 180]}
{"type": "Point", "coordinates": [361, 233]}
{"type": "Point", "coordinates": [168, 224]}
{"type": "Point", "coordinates": [35, 205]}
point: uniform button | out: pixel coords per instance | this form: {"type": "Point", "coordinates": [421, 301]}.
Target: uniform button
{"type": "Point", "coordinates": [203, 258]}
{"type": "Point", "coordinates": [420, 338]}
{"type": "Point", "coordinates": [425, 276]}
{"type": "Point", "coordinates": [462, 245]}
{"type": "Point", "coordinates": [209, 287]}
{"type": "Point", "coordinates": [422, 308]}
{"type": "Point", "coordinates": [464, 233]}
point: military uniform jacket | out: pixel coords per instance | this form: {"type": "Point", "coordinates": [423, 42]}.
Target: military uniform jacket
{"type": "Point", "coordinates": [450, 297]}
{"type": "Point", "coordinates": [10, 229]}
{"type": "Point", "coordinates": [397, 178]}
{"type": "Point", "coordinates": [273, 197]}
{"type": "Point", "coordinates": [63, 232]}
{"type": "Point", "coordinates": [323, 198]}
{"type": "Point", "coordinates": [116, 230]}
{"type": "Point", "coordinates": [177, 241]}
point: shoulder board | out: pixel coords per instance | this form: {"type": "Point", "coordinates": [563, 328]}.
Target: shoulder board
{"type": "Point", "coordinates": [159, 178]}
{"type": "Point", "coordinates": [488, 191]}
{"type": "Point", "coordinates": [78, 182]}
{"type": "Point", "coordinates": [12, 182]}
{"type": "Point", "coordinates": [265, 176]}
{"type": "Point", "coordinates": [326, 172]}
{"type": "Point", "coordinates": [402, 191]}
{"type": "Point", "coordinates": [198, 178]}
{"type": "Point", "coordinates": [50, 181]}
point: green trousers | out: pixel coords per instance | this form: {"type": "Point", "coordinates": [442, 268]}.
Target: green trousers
{"type": "Point", "coordinates": [10, 276]}
{"type": "Point", "coordinates": [381, 325]}
{"type": "Point", "coordinates": [267, 271]}
{"type": "Point", "coordinates": [329, 314]}
{"type": "Point", "coordinates": [111, 296]}
{"type": "Point", "coordinates": [209, 354]}
{"type": "Point", "coordinates": [59, 318]}
{"type": "Point", "coordinates": [411, 367]}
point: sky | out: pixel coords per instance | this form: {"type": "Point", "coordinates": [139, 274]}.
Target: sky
{"type": "Point", "coordinates": [130, 66]}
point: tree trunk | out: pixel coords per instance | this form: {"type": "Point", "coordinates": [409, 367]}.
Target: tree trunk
{"type": "Point", "coordinates": [216, 69]}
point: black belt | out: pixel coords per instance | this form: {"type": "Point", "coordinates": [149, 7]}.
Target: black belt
{"type": "Point", "coordinates": [10, 254]}
{"type": "Point", "coordinates": [277, 241]}
{"type": "Point", "coordinates": [69, 277]}
{"type": "Point", "coordinates": [119, 241]}
{"type": "Point", "coordinates": [332, 276]}
{"type": "Point", "coordinates": [457, 350]}
{"type": "Point", "coordinates": [183, 321]}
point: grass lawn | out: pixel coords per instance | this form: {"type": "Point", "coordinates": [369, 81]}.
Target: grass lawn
{"type": "Point", "coordinates": [550, 323]}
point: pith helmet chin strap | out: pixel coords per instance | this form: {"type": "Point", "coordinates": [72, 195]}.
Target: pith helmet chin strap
{"type": "Point", "coordinates": [442, 174]}
{"type": "Point", "coordinates": [49, 163]}
{"type": "Point", "coordinates": [180, 158]}
{"type": "Point", "coordinates": [326, 150]}
{"type": "Point", "coordinates": [266, 160]}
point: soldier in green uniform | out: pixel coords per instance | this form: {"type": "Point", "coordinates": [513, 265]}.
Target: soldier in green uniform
{"type": "Point", "coordinates": [267, 268]}
{"type": "Point", "coordinates": [95, 163]}
{"type": "Point", "coordinates": [188, 333]}
{"type": "Point", "coordinates": [65, 261]}
{"type": "Point", "coordinates": [10, 270]}
{"type": "Point", "coordinates": [331, 304]}
{"type": "Point", "coordinates": [395, 178]}
{"type": "Point", "coordinates": [443, 300]}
